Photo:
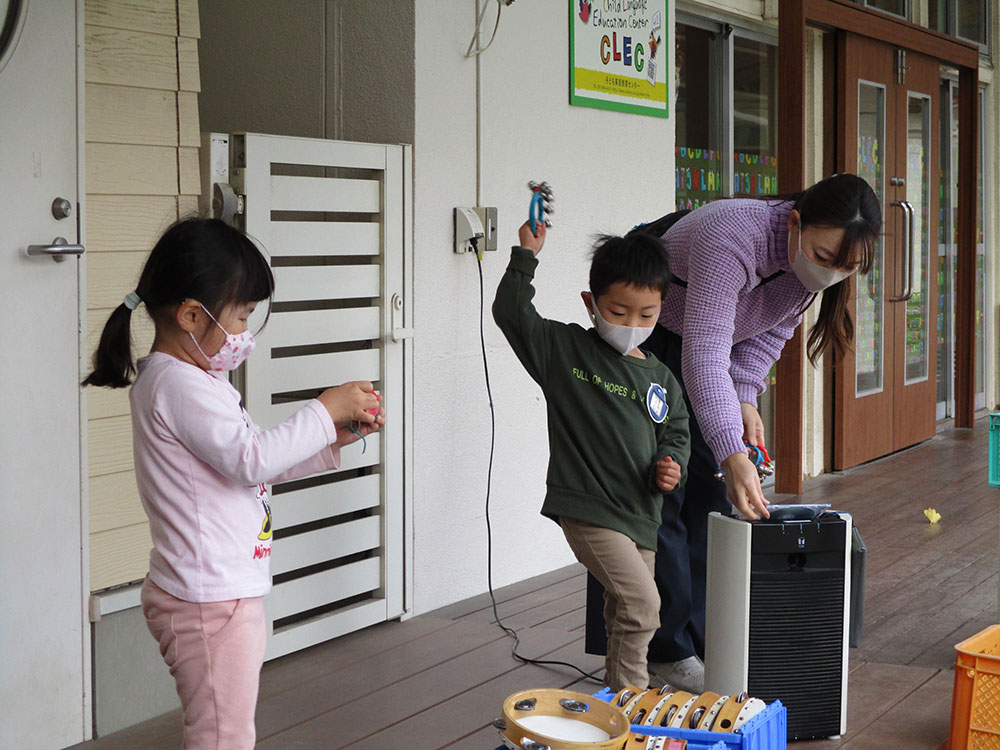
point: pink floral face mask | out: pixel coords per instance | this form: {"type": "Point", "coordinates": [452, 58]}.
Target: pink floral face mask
{"type": "Point", "coordinates": [234, 349]}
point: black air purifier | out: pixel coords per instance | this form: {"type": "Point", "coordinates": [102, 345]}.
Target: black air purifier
{"type": "Point", "coordinates": [778, 616]}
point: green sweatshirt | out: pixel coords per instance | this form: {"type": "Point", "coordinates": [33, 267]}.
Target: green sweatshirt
{"type": "Point", "coordinates": [603, 441]}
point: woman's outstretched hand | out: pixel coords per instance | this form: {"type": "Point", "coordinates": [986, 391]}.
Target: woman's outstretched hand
{"type": "Point", "coordinates": [743, 486]}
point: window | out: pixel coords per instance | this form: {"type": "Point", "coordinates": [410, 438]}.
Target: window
{"type": "Point", "coordinates": [894, 7]}
{"type": "Point", "coordinates": [755, 117]}
{"type": "Point", "coordinates": [726, 113]}
{"type": "Point", "coordinates": [698, 142]}
{"type": "Point", "coordinates": [726, 119]}
{"type": "Point", "coordinates": [966, 19]}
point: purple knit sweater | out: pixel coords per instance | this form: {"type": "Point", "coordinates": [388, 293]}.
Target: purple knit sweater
{"type": "Point", "coordinates": [732, 327]}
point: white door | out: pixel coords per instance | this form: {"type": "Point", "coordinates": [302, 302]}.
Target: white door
{"type": "Point", "coordinates": [332, 217]}
{"type": "Point", "coordinates": [44, 667]}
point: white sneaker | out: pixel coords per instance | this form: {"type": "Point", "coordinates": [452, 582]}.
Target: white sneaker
{"type": "Point", "coordinates": [686, 674]}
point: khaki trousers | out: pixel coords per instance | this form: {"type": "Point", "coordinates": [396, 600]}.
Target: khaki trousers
{"type": "Point", "coordinates": [631, 600]}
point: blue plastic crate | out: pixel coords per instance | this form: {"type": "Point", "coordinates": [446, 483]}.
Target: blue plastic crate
{"type": "Point", "coordinates": [994, 472]}
{"type": "Point", "coordinates": [768, 730]}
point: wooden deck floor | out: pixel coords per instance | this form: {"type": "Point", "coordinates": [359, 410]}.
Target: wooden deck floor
{"type": "Point", "coordinates": [437, 680]}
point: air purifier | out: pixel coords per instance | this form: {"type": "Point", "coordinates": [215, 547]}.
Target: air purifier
{"type": "Point", "coordinates": [778, 616]}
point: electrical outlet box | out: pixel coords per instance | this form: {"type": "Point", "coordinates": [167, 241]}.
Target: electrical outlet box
{"type": "Point", "coordinates": [468, 227]}
{"type": "Point", "coordinates": [488, 217]}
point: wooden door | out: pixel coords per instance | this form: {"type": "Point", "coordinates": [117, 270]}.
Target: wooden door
{"type": "Point", "coordinates": [885, 387]}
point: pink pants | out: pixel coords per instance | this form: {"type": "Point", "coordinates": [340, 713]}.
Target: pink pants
{"type": "Point", "coordinates": [214, 651]}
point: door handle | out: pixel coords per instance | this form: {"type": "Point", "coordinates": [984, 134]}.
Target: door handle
{"type": "Point", "coordinates": [908, 264]}
{"type": "Point", "coordinates": [58, 250]}
{"type": "Point", "coordinates": [398, 334]}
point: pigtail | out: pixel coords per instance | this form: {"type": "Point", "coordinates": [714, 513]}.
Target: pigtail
{"type": "Point", "coordinates": [113, 363]}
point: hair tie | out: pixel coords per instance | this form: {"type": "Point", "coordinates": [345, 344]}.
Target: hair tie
{"type": "Point", "coordinates": [132, 300]}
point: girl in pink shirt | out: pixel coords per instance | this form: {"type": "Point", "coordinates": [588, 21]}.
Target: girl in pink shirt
{"type": "Point", "coordinates": [203, 466]}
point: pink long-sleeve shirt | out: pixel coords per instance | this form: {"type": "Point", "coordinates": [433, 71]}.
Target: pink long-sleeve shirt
{"type": "Point", "coordinates": [203, 466]}
{"type": "Point", "coordinates": [733, 327]}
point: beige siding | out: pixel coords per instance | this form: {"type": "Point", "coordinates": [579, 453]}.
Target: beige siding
{"type": "Point", "coordinates": [142, 79]}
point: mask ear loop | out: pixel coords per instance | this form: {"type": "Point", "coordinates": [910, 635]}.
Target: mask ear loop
{"type": "Point", "coordinates": [356, 429]}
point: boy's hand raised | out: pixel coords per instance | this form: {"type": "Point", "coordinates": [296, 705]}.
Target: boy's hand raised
{"type": "Point", "coordinates": [348, 402]}
{"type": "Point", "coordinates": [668, 474]}
{"type": "Point", "coordinates": [529, 241]}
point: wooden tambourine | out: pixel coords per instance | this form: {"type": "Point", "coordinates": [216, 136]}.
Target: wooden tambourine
{"type": "Point", "coordinates": [699, 710]}
{"type": "Point", "coordinates": [751, 708]}
{"type": "Point", "coordinates": [644, 706]}
{"type": "Point", "coordinates": [674, 708]}
{"type": "Point", "coordinates": [726, 718]}
{"type": "Point", "coordinates": [627, 698]}
{"type": "Point", "coordinates": [549, 719]}
{"type": "Point", "coordinates": [708, 720]}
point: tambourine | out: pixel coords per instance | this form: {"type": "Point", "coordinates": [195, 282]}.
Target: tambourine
{"type": "Point", "coordinates": [698, 712]}
{"type": "Point", "coordinates": [550, 719]}
{"type": "Point", "coordinates": [736, 712]}
{"type": "Point", "coordinates": [647, 703]}
{"type": "Point", "coordinates": [627, 698]}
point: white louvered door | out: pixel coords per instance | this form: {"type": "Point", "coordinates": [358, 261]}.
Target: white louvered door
{"type": "Point", "coordinates": [333, 217]}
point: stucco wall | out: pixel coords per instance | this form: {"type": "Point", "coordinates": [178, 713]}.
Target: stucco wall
{"type": "Point", "coordinates": [609, 171]}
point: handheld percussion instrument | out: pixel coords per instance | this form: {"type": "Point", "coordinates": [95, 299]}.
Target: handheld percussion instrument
{"type": "Point", "coordinates": [550, 719]}
{"type": "Point", "coordinates": [541, 204]}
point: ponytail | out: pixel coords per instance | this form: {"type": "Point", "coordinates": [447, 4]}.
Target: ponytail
{"type": "Point", "coordinates": [200, 259]}
{"type": "Point", "coordinates": [113, 363]}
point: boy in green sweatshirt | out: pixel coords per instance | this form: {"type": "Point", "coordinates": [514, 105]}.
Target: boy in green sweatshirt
{"type": "Point", "coordinates": [618, 427]}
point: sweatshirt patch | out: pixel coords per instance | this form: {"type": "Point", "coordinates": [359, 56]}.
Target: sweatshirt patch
{"type": "Point", "coordinates": [656, 403]}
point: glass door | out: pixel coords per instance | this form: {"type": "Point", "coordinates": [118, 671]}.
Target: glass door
{"type": "Point", "coordinates": [915, 304]}
{"type": "Point", "coordinates": [948, 258]}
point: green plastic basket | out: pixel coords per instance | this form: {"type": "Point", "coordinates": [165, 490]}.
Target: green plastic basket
{"type": "Point", "coordinates": [994, 472]}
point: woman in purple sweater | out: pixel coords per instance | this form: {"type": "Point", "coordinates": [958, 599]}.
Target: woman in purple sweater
{"type": "Point", "coordinates": [745, 271]}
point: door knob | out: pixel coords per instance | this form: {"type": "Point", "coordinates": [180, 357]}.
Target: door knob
{"type": "Point", "coordinates": [58, 250]}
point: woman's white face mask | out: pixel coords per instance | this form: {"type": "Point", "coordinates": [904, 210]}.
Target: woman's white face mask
{"type": "Point", "coordinates": [814, 276]}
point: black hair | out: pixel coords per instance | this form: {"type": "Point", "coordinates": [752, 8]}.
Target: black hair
{"type": "Point", "coordinates": [638, 259]}
{"type": "Point", "coordinates": [200, 259]}
{"type": "Point", "coordinates": [843, 201]}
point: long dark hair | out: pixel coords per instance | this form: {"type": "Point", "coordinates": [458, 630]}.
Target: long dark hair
{"type": "Point", "coordinates": [844, 201]}
{"type": "Point", "coordinates": [200, 259]}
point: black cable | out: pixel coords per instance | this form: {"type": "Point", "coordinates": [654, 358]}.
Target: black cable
{"type": "Point", "coordinates": [489, 481]}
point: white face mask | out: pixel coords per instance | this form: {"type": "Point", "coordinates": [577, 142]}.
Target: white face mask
{"type": "Point", "coordinates": [813, 276]}
{"type": "Point", "coordinates": [234, 349]}
{"type": "Point", "coordinates": [623, 338]}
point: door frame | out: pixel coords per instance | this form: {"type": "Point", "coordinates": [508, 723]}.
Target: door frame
{"type": "Point", "coordinates": [793, 17]}
{"type": "Point", "coordinates": [83, 368]}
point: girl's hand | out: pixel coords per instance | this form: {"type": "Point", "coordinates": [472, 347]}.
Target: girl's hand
{"type": "Point", "coordinates": [532, 242]}
{"type": "Point", "coordinates": [753, 425]}
{"type": "Point", "coordinates": [348, 402]}
{"type": "Point", "coordinates": [668, 474]}
{"type": "Point", "coordinates": [346, 436]}
{"type": "Point", "coordinates": [743, 486]}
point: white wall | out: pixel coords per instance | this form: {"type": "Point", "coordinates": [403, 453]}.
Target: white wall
{"type": "Point", "coordinates": [609, 171]}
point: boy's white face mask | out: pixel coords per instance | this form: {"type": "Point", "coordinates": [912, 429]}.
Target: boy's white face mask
{"type": "Point", "coordinates": [622, 338]}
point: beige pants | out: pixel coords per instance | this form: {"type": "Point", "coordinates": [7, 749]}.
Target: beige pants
{"type": "Point", "coordinates": [631, 601]}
